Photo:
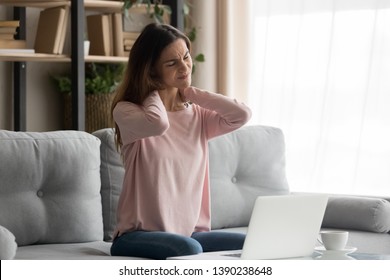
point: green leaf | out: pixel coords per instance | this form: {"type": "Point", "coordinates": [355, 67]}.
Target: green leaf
{"type": "Point", "coordinates": [100, 78]}
{"type": "Point", "coordinates": [63, 83]}
{"type": "Point", "coordinates": [192, 34]}
{"type": "Point", "coordinates": [200, 58]}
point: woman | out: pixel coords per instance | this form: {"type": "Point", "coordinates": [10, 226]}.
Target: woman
{"type": "Point", "coordinates": [162, 127]}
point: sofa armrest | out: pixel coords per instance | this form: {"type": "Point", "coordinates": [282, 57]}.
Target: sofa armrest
{"type": "Point", "coordinates": [358, 213]}
{"type": "Point", "coordinates": [8, 245]}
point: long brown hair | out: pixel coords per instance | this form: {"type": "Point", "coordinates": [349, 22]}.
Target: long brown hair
{"type": "Point", "coordinates": [140, 77]}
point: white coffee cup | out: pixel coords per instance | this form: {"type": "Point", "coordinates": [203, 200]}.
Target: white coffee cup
{"type": "Point", "coordinates": [334, 240]}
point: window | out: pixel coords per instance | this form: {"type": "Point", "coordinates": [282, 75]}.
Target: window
{"type": "Point", "coordinates": [320, 70]}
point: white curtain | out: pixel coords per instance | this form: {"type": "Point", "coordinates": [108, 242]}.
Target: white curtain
{"type": "Point", "coordinates": [320, 70]}
{"type": "Point", "coordinates": [223, 36]}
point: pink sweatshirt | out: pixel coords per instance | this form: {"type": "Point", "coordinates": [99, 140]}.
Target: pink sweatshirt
{"type": "Point", "coordinates": [166, 183]}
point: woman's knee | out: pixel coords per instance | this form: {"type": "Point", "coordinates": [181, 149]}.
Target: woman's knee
{"type": "Point", "coordinates": [219, 241]}
{"type": "Point", "coordinates": [187, 246]}
{"type": "Point", "coordinates": [155, 245]}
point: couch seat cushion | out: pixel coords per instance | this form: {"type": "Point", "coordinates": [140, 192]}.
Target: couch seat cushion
{"type": "Point", "coordinates": [97, 250]}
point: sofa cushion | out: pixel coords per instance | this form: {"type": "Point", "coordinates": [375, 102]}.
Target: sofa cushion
{"type": "Point", "coordinates": [96, 250]}
{"type": "Point", "coordinates": [359, 213]}
{"type": "Point", "coordinates": [7, 244]}
{"type": "Point", "coordinates": [244, 164]}
{"type": "Point", "coordinates": [112, 173]}
{"type": "Point", "coordinates": [50, 186]}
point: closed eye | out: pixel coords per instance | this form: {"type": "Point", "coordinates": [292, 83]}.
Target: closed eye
{"type": "Point", "coordinates": [171, 63]}
{"type": "Point", "coordinates": [187, 55]}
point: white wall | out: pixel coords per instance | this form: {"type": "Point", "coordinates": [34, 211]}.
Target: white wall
{"type": "Point", "coordinates": [204, 19]}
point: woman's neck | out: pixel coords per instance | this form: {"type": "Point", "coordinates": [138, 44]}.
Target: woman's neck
{"type": "Point", "coordinates": [172, 99]}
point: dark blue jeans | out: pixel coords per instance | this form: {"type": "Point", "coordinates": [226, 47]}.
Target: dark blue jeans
{"type": "Point", "coordinates": [161, 245]}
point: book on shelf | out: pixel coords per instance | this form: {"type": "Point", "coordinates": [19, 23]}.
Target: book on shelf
{"type": "Point", "coordinates": [50, 25]}
{"type": "Point", "coordinates": [99, 34]}
{"type": "Point", "coordinates": [111, 33]}
{"type": "Point", "coordinates": [117, 31]}
{"type": "Point", "coordinates": [131, 35]}
{"type": "Point", "coordinates": [63, 30]}
{"type": "Point", "coordinates": [128, 42]}
{"type": "Point", "coordinates": [7, 36]}
{"type": "Point", "coordinates": [7, 30]}
{"type": "Point", "coordinates": [12, 44]}
{"type": "Point", "coordinates": [106, 35]}
{"type": "Point", "coordinates": [129, 39]}
{"type": "Point", "coordinates": [9, 23]}
{"type": "Point", "coordinates": [127, 48]}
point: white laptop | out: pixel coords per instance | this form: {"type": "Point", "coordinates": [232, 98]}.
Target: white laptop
{"type": "Point", "coordinates": [280, 227]}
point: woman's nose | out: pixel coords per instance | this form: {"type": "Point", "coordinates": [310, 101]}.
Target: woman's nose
{"type": "Point", "coordinates": [183, 66]}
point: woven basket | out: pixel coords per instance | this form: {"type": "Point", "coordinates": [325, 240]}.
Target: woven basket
{"type": "Point", "coordinates": [97, 111]}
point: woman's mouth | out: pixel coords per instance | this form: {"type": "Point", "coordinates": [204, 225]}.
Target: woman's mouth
{"type": "Point", "coordinates": [183, 77]}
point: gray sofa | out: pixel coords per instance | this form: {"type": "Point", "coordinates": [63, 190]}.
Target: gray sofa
{"type": "Point", "coordinates": [59, 191]}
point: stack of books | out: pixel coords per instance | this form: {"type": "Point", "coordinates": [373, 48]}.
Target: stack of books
{"type": "Point", "coordinates": [106, 35]}
{"type": "Point", "coordinates": [8, 29]}
{"type": "Point", "coordinates": [51, 30]}
{"type": "Point", "coordinates": [8, 43]}
{"type": "Point", "coordinates": [128, 40]}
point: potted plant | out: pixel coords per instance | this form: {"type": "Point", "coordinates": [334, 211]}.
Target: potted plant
{"type": "Point", "coordinates": [101, 80]}
{"type": "Point", "coordinates": [154, 9]}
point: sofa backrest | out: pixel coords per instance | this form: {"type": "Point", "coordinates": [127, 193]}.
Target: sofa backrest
{"type": "Point", "coordinates": [112, 174]}
{"type": "Point", "coordinates": [50, 186]}
{"type": "Point", "coordinates": [243, 165]}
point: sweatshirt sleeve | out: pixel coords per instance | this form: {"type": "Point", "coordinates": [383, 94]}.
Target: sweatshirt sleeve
{"type": "Point", "coordinates": [136, 122]}
{"type": "Point", "coordinates": [223, 114]}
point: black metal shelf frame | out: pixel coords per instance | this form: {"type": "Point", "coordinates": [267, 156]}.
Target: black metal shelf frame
{"type": "Point", "coordinates": [19, 76]}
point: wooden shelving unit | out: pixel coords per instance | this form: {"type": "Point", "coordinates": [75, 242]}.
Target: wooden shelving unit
{"type": "Point", "coordinates": [41, 57]}
{"type": "Point", "coordinates": [99, 6]}
{"type": "Point", "coordinates": [76, 58]}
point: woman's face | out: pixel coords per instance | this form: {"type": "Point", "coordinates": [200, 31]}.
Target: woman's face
{"type": "Point", "coordinates": [174, 66]}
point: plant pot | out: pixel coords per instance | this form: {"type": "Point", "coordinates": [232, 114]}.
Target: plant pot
{"type": "Point", "coordinates": [97, 111]}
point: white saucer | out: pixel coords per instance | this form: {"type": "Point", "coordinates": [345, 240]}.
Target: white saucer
{"type": "Point", "coordinates": [345, 251]}
{"type": "Point", "coordinates": [334, 257]}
